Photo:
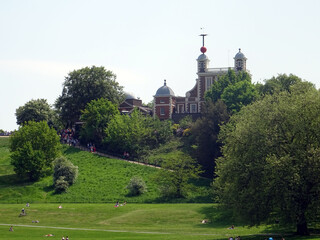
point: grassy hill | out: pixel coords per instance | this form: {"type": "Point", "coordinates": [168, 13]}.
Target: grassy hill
{"type": "Point", "coordinates": [100, 179]}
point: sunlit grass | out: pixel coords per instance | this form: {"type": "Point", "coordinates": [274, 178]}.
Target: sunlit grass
{"type": "Point", "coordinates": [100, 179]}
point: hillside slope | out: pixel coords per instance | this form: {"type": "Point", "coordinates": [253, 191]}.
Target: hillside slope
{"type": "Point", "coordinates": [100, 179]}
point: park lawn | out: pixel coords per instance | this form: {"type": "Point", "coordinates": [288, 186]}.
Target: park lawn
{"type": "Point", "coordinates": [132, 221]}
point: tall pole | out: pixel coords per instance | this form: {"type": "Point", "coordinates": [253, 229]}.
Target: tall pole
{"type": "Point", "coordinates": [203, 35]}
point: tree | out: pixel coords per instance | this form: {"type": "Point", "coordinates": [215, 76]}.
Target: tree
{"type": "Point", "coordinates": [277, 84]}
{"type": "Point", "coordinates": [205, 146]}
{"type": "Point", "coordinates": [96, 117]}
{"type": "Point", "coordinates": [234, 89]}
{"type": "Point", "coordinates": [175, 173]}
{"type": "Point", "coordinates": [136, 133]}
{"type": "Point", "coordinates": [126, 134]}
{"type": "Point", "coordinates": [33, 148]}
{"type": "Point", "coordinates": [84, 85]}
{"type": "Point", "coordinates": [271, 158]}
{"type": "Point", "coordinates": [35, 110]}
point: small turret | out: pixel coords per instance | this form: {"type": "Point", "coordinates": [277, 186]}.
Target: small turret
{"type": "Point", "coordinates": [240, 61]}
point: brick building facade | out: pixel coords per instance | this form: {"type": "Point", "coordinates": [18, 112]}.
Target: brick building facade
{"type": "Point", "coordinates": [169, 106]}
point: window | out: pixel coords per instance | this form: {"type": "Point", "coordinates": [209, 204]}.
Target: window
{"type": "Point", "coordinates": [193, 108]}
{"type": "Point", "coordinates": [162, 101]}
{"type": "Point", "coordinates": [180, 108]}
{"type": "Point", "coordinates": [162, 112]}
{"type": "Point", "coordinates": [208, 83]}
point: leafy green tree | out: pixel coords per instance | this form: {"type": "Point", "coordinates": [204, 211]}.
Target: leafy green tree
{"type": "Point", "coordinates": [203, 139]}
{"type": "Point", "coordinates": [35, 110]}
{"type": "Point", "coordinates": [277, 84]}
{"type": "Point", "coordinates": [175, 174]}
{"type": "Point", "coordinates": [126, 133]}
{"type": "Point", "coordinates": [84, 85]}
{"type": "Point", "coordinates": [271, 158]}
{"type": "Point", "coordinates": [238, 95]}
{"type": "Point", "coordinates": [96, 117]}
{"type": "Point", "coordinates": [234, 89]}
{"type": "Point", "coordinates": [33, 148]}
{"type": "Point", "coordinates": [136, 133]}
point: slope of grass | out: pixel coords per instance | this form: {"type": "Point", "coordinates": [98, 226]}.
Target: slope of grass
{"type": "Point", "coordinates": [100, 179]}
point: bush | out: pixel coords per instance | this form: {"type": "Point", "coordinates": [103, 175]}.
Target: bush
{"type": "Point", "coordinates": [61, 185]}
{"type": "Point", "coordinates": [64, 168]}
{"type": "Point", "coordinates": [136, 186]}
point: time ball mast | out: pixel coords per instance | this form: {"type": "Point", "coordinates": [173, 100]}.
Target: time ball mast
{"type": "Point", "coordinates": [203, 49]}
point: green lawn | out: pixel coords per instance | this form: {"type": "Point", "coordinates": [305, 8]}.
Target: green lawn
{"type": "Point", "coordinates": [132, 221]}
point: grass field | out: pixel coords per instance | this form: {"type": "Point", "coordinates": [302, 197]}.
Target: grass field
{"type": "Point", "coordinates": [102, 182]}
{"type": "Point", "coordinates": [132, 221]}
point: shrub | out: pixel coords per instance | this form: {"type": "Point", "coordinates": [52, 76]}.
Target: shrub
{"type": "Point", "coordinates": [64, 168]}
{"type": "Point", "coordinates": [136, 186]}
{"type": "Point", "coordinates": [61, 185]}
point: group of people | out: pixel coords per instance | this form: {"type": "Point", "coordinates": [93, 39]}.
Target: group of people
{"type": "Point", "coordinates": [126, 155]}
{"type": "Point", "coordinates": [237, 238]}
{"type": "Point", "coordinates": [23, 212]}
{"type": "Point", "coordinates": [67, 136]}
{"type": "Point", "coordinates": [120, 205]}
{"type": "Point", "coordinates": [91, 147]}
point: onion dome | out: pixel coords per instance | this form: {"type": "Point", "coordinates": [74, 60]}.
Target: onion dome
{"type": "Point", "coordinates": [239, 55]}
{"type": "Point", "coordinates": [164, 91]}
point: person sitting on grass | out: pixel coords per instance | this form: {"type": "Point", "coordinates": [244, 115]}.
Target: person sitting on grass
{"type": "Point", "coordinates": [11, 229]}
{"type": "Point", "coordinates": [232, 227]}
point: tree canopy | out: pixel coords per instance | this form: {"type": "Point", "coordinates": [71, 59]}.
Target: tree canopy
{"type": "Point", "coordinates": [84, 85]}
{"type": "Point", "coordinates": [136, 133]}
{"type": "Point", "coordinates": [234, 89]}
{"type": "Point", "coordinates": [203, 138]}
{"type": "Point", "coordinates": [175, 174]}
{"type": "Point", "coordinates": [277, 84]}
{"type": "Point", "coordinates": [35, 110]}
{"type": "Point", "coordinates": [96, 116]}
{"type": "Point", "coordinates": [33, 148]}
{"type": "Point", "coordinates": [271, 158]}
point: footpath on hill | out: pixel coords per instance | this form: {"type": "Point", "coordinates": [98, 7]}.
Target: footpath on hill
{"type": "Point", "coordinates": [114, 157]}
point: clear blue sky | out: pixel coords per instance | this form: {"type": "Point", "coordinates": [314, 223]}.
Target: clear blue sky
{"type": "Point", "coordinates": [144, 42]}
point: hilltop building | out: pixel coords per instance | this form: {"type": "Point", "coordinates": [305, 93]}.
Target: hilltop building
{"type": "Point", "coordinates": [169, 106]}
{"type": "Point", "coordinates": [130, 103]}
